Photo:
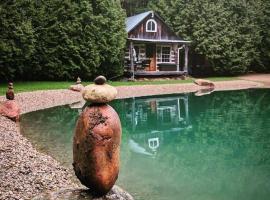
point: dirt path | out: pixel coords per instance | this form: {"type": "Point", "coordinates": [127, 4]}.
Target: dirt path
{"type": "Point", "coordinates": [262, 78]}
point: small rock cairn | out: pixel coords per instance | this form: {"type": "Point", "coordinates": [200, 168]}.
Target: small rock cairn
{"type": "Point", "coordinates": [10, 92]}
{"type": "Point", "coordinates": [78, 87]}
{"type": "Point", "coordinates": [10, 108]}
{"type": "Point", "coordinates": [96, 143]}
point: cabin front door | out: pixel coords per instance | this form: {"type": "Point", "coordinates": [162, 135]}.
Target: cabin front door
{"type": "Point", "coordinates": [151, 55]}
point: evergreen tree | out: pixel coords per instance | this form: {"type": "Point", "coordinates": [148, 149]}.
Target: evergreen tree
{"type": "Point", "coordinates": [133, 7]}
{"type": "Point", "coordinates": [110, 20]}
{"type": "Point", "coordinates": [61, 39]}
{"type": "Point", "coordinates": [225, 32]}
{"type": "Point", "coordinates": [16, 38]}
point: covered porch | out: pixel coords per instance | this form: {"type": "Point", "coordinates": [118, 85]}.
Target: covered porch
{"type": "Point", "coordinates": [146, 57]}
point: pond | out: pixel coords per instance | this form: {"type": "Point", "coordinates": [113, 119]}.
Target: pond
{"type": "Point", "coordinates": [178, 146]}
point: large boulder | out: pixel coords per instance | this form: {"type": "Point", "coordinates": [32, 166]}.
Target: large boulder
{"type": "Point", "coordinates": [10, 109]}
{"type": "Point", "coordinates": [96, 148]}
{"type": "Point", "coordinates": [204, 82]}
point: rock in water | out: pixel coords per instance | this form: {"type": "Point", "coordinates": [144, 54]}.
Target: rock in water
{"type": "Point", "coordinates": [96, 148]}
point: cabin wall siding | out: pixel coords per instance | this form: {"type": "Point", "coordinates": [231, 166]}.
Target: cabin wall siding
{"type": "Point", "coordinates": [163, 31]}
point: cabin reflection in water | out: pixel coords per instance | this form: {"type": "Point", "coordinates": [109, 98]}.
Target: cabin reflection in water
{"type": "Point", "coordinates": [150, 120]}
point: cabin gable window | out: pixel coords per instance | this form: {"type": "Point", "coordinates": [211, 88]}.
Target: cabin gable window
{"type": "Point", "coordinates": [151, 25]}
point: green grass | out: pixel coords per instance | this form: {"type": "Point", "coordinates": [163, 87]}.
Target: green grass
{"type": "Point", "coordinates": [51, 85]}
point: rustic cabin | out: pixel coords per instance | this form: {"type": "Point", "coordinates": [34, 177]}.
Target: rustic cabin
{"type": "Point", "coordinates": [153, 49]}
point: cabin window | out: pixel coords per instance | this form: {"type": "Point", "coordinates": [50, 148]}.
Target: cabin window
{"type": "Point", "coordinates": [164, 54]}
{"type": "Point", "coordinates": [140, 51]}
{"type": "Point", "coordinates": [151, 26]}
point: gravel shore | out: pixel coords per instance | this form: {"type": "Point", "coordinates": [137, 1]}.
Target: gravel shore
{"type": "Point", "coordinates": [26, 173]}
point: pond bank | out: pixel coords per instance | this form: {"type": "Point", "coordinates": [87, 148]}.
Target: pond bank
{"type": "Point", "coordinates": [25, 172]}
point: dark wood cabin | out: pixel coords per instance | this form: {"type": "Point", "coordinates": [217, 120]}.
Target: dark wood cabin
{"type": "Point", "coordinates": [153, 49]}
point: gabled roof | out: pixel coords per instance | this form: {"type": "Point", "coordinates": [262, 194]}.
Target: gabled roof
{"type": "Point", "coordinates": [133, 21]}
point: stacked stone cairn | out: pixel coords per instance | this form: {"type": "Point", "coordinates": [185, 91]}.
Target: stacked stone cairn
{"type": "Point", "coordinates": [78, 87]}
{"type": "Point", "coordinates": [96, 143]}
{"type": "Point", "coordinates": [10, 108]}
{"type": "Point", "coordinates": [10, 92]}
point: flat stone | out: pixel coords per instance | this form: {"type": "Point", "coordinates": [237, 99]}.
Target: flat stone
{"type": "Point", "coordinates": [77, 87]}
{"type": "Point", "coordinates": [99, 93]}
{"type": "Point", "coordinates": [204, 82]}
{"type": "Point", "coordinates": [10, 109]}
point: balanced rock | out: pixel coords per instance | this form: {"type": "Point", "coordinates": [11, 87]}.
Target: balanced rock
{"type": "Point", "coordinates": [10, 109]}
{"type": "Point", "coordinates": [100, 80]}
{"type": "Point", "coordinates": [78, 87]}
{"type": "Point", "coordinates": [10, 92]}
{"type": "Point", "coordinates": [100, 92]}
{"type": "Point", "coordinates": [203, 82]}
{"type": "Point", "coordinates": [79, 81]}
{"type": "Point", "coordinates": [96, 148]}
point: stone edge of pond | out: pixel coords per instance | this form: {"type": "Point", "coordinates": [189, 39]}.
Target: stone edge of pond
{"type": "Point", "coordinates": [18, 158]}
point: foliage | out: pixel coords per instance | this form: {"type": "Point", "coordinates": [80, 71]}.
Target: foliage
{"type": "Point", "coordinates": [227, 33]}
{"type": "Point", "coordinates": [60, 40]}
{"type": "Point", "coordinates": [133, 7]}
{"type": "Point", "coordinates": [16, 38]}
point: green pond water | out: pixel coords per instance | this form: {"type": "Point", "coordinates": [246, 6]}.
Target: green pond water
{"type": "Point", "coordinates": [178, 147]}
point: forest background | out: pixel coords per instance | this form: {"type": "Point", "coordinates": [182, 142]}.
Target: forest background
{"type": "Point", "coordinates": [63, 39]}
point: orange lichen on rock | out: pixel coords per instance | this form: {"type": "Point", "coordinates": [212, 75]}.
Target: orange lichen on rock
{"type": "Point", "coordinates": [96, 148]}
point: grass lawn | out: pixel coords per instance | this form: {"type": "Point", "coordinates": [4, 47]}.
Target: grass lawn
{"type": "Point", "coordinates": [51, 85]}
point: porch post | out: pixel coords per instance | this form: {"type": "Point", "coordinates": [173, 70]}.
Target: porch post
{"type": "Point", "coordinates": [178, 60]}
{"type": "Point", "coordinates": [131, 59]}
{"type": "Point", "coordinates": [186, 59]}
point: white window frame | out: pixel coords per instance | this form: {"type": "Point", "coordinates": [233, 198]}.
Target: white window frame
{"type": "Point", "coordinates": [151, 21]}
{"type": "Point", "coordinates": [142, 51]}
{"type": "Point", "coordinates": [161, 53]}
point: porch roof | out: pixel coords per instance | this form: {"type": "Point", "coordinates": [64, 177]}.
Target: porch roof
{"type": "Point", "coordinates": [159, 41]}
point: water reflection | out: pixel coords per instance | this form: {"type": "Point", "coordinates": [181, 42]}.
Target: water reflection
{"type": "Point", "coordinates": [150, 119]}
{"type": "Point", "coordinates": [178, 146]}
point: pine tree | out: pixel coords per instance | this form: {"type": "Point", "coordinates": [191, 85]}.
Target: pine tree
{"type": "Point", "coordinates": [61, 39]}
{"type": "Point", "coordinates": [224, 32]}
{"type": "Point", "coordinates": [16, 38]}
